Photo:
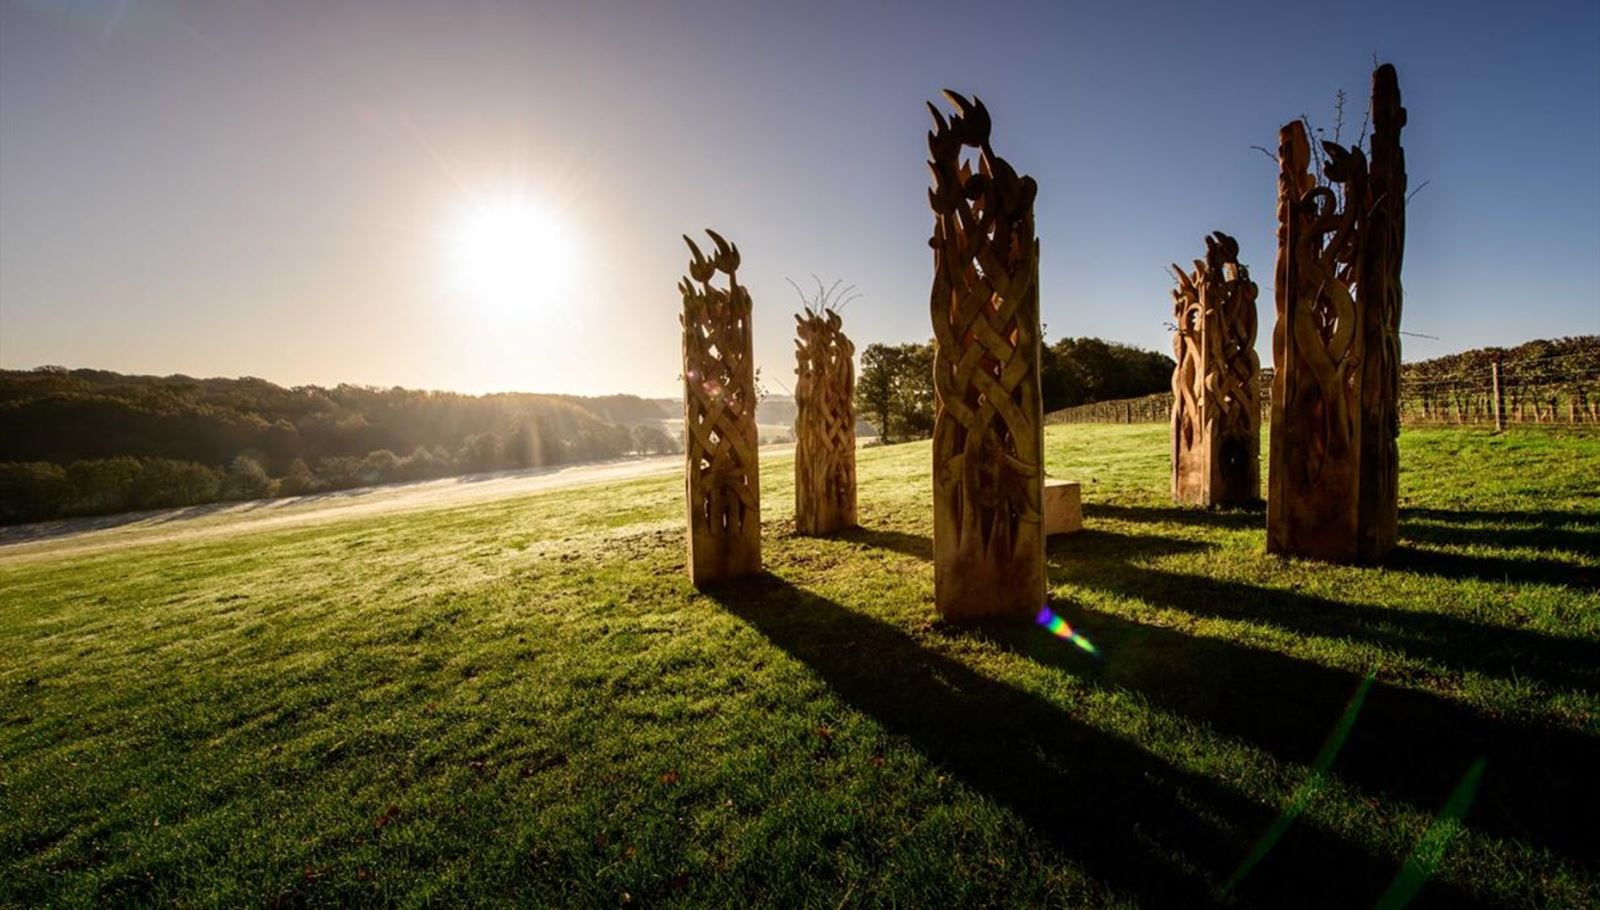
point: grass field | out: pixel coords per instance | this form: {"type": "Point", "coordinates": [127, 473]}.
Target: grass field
{"type": "Point", "coordinates": [523, 701]}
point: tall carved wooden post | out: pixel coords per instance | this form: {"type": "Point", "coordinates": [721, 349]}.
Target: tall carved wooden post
{"type": "Point", "coordinates": [1332, 491]}
{"type": "Point", "coordinates": [719, 424]}
{"type": "Point", "coordinates": [1384, 242]}
{"type": "Point", "coordinates": [988, 446]}
{"type": "Point", "coordinates": [825, 424]}
{"type": "Point", "coordinates": [1216, 413]}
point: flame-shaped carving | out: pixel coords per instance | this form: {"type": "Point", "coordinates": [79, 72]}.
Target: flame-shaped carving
{"type": "Point", "coordinates": [719, 425]}
{"type": "Point", "coordinates": [1216, 415]}
{"type": "Point", "coordinates": [1334, 467]}
{"type": "Point", "coordinates": [988, 471]}
{"type": "Point", "coordinates": [825, 424]}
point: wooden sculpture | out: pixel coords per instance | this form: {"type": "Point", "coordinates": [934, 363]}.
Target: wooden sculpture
{"type": "Point", "coordinates": [1333, 471]}
{"type": "Point", "coordinates": [1380, 292]}
{"type": "Point", "coordinates": [825, 424]}
{"type": "Point", "coordinates": [988, 448]}
{"type": "Point", "coordinates": [1216, 420]}
{"type": "Point", "coordinates": [719, 425]}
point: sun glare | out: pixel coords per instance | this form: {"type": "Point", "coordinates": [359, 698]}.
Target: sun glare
{"type": "Point", "coordinates": [512, 256]}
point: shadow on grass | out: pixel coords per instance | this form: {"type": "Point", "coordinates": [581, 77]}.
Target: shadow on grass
{"type": "Point", "coordinates": [1142, 826]}
{"type": "Point", "coordinates": [1225, 519]}
{"type": "Point", "coordinates": [919, 546]}
{"type": "Point", "coordinates": [1406, 744]}
{"type": "Point", "coordinates": [1572, 531]}
{"type": "Point", "coordinates": [1492, 568]}
{"type": "Point", "coordinates": [1097, 559]}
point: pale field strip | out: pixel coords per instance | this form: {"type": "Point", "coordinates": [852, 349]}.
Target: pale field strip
{"type": "Point", "coordinates": [82, 536]}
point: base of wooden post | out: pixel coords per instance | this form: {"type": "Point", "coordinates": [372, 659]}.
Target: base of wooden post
{"type": "Point", "coordinates": [1063, 507]}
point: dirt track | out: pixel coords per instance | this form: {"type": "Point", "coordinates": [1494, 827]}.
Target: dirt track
{"type": "Point", "coordinates": [85, 535]}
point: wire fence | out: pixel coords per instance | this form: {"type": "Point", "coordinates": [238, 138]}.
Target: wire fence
{"type": "Point", "coordinates": [1554, 390]}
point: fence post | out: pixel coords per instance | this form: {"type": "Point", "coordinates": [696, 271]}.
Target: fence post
{"type": "Point", "coordinates": [1499, 403]}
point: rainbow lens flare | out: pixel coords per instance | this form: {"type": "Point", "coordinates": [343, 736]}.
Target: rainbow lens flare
{"type": "Point", "coordinates": [1058, 627]}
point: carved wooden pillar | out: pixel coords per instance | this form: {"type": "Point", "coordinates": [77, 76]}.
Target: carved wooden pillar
{"type": "Point", "coordinates": [719, 424]}
{"type": "Point", "coordinates": [1315, 457]}
{"type": "Point", "coordinates": [825, 425]}
{"type": "Point", "coordinates": [1332, 483]}
{"type": "Point", "coordinates": [988, 449]}
{"type": "Point", "coordinates": [1383, 249]}
{"type": "Point", "coordinates": [1216, 416]}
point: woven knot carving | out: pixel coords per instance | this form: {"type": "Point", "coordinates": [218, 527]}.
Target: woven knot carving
{"type": "Point", "coordinates": [987, 444]}
{"type": "Point", "coordinates": [720, 442]}
{"type": "Point", "coordinates": [825, 424]}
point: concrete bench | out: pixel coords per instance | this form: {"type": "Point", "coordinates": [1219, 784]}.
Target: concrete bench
{"type": "Point", "coordinates": [1063, 506]}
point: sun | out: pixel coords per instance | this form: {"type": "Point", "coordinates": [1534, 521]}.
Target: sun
{"type": "Point", "coordinates": [512, 256]}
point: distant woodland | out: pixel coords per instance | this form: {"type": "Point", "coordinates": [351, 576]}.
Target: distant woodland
{"type": "Point", "coordinates": [85, 442]}
{"type": "Point", "coordinates": [91, 442]}
{"type": "Point", "coordinates": [894, 387]}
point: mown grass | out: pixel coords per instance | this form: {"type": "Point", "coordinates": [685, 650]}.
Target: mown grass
{"type": "Point", "coordinates": [524, 702]}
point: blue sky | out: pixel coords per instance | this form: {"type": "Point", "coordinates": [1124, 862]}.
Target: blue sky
{"type": "Point", "coordinates": [270, 189]}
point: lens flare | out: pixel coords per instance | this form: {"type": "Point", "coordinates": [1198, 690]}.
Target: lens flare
{"type": "Point", "coordinates": [1058, 627]}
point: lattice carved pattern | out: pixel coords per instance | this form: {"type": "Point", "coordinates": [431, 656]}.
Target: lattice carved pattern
{"type": "Point", "coordinates": [825, 424]}
{"type": "Point", "coordinates": [1216, 420]}
{"type": "Point", "coordinates": [1336, 342]}
{"type": "Point", "coordinates": [721, 478]}
{"type": "Point", "coordinates": [987, 444]}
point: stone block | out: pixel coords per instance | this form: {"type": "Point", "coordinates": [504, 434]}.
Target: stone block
{"type": "Point", "coordinates": [1063, 506]}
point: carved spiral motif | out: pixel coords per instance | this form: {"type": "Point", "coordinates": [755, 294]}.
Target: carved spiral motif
{"type": "Point", "coordinates": [1216, 415]}
{"type": "Point", "coordinates": [1336, 344]}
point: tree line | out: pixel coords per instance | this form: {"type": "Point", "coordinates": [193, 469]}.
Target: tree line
{"type": "Point", "coordinates": [894, 386]}
{"type": "Point", "coordinates": [1542, 380]}
{"type": "Point", "coordinates": [86, 442]}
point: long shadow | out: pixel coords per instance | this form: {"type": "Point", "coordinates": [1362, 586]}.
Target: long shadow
{"type": "Point", "coordinates": [916, 545]}
{"type": "Point", "coordinates": [1491, 568]}
{"type": "Point", "coordinates": [1406, 744]}
{"type": "Point", "coordinates": [1146, 828]}
{"type": "Point", "coordinates": [1539, 529]}
{"type": "Point", "coordinates": [1513, 529]}
{"type": "Point", "coordinates": [1096, 559]}
{"type": "Point", "coordinates": [1550, 519]}
{"type": "Point", "coordinates": [1230, 519]}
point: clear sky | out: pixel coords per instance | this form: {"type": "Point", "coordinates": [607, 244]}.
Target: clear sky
{"type": "Point", "coordinates": [282, 189]}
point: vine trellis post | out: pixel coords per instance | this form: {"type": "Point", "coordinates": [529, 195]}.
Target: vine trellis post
{"type": "Point", "coordinates": [1216, 416]}
{"type": "Point", "coordinates": [721, 477]}
{"type": "Point", "coordinates": [825, 424]}
{"type": "Point", "coordinates": [1334, 464]}
{"type": "Point", "coordinates": [988, 447]}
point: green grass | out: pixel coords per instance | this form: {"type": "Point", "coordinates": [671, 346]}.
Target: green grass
{"type": "Point", "coordinates": [525, 702]}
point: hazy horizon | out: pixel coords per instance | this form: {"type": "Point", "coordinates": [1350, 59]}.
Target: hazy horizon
{"type": "Point", "coordinates": [321, 193]}
{"type": "Point", "coordinates": [673, 394]}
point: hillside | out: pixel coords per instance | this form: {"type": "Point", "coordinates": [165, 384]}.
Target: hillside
{"type": "Point", "coordinates": [526, 699]}
{"type": "Point", "coordinates": [82, 442]}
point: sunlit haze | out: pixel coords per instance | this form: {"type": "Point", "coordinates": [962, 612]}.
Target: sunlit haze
{"type": "Point", "coordinates": [489, 196]}
{"type": "Point", "coordinates": [512, 260]}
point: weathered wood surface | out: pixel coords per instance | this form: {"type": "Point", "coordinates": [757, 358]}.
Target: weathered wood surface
{"type": "Point", "coordinates": [1381, 297]}
{"type": "Point", "coordinates": [825, 424]}
{"type": "Point", "coordinates": [1216, 418]}
{"type": "Point", "coordinates": [1333, 465]}
{"type": "Point", "coordinates": [988, 447]}
{"type": "Point", "coordinates": [721, 477]}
